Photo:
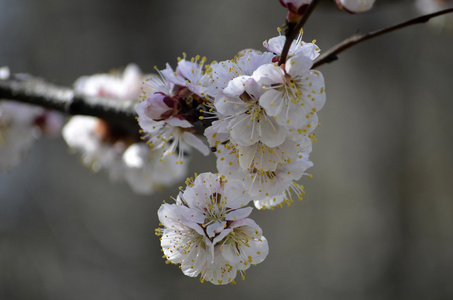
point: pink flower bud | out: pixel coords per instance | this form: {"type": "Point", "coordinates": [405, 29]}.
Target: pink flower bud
{"type": "Point", "coordinates": [295, 9]}
{"type": "Point", "coordinates": [160, 107]}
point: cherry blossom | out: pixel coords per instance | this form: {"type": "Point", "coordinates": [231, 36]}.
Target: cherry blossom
{"type": "Point", "coordinates": [207, 230]}
{"type": "Point", "coordinates": [275, 45]}
{"type": "Point", "coordinates": [294, 92]}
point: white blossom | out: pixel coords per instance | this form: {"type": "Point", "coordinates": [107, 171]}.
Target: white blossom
{"type": "Point", "coordinates": [207, 231]}
{"type": "Point", "coordinates": [120, 85]}
{"type": "Point", "coordinates": [160, 115]}
{"type": "Point", "coordinates": [173, 134]}
{"type": "Point", "coordinates": [146, 172]}
{"type": "Point", "coordinates": [189, 74]}
{"type": "Point", "coordinates": [355, 6]}
{"type": "Point", "coordinates": [84, 134]}
{"type": "Point", "coordinates": [294, 92]}
{"type": "Point", "coordinates": [4, 73]}
{"type": "Point", "coordinates": [275, 45]}
{"type": "Point", "coordinates": [264, 171]}
{"type": "Point", "coordinates": [120, 153]}
{"type": "Point", "coordinates": [245, 63]}
{"type": "Point", "coordinates": [248, 122]}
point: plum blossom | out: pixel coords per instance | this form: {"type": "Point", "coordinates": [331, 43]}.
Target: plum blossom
{"type": "Point", "coordinates": [294, 92]}
{"type": "Point", "coordinates": [245, 63]}
{"type": "Point", "coordinates": [208, 231]}
{"type": "Point", "coordinates": [248, 122]}
{"type": "Point", "coordinates": [101, 144]}
{"type": "Point", "coordinates": [189, 74]}
{"type": "Point", "coordinates": [146, 172]}
{"type": "Point", "coordinates": [120, 85]}
{"type": "Point", "coordinates": [119, 152]}
{"type": "Point", "coordinates": [90, 137]}
{"type": "Point", "coordinates": [164, 109]}
{"type": "Point", "coordinates": [264, 171]}
{"type": "Point", "coordinates": [275, 45]}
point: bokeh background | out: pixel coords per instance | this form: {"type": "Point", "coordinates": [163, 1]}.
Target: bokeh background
{"type": "Point", "coordinates": [377, 218]}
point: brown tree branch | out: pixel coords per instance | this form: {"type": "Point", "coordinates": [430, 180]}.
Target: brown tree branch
{"type": "Point", "coordinates": [32, 90]}
{"type": "Point", "coordinates": [332, 53]}
{"type": "Point", "coordinates": [294, 31]}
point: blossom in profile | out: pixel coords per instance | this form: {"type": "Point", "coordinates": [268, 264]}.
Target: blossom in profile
{"type": "Point", "coordinates": [208, 232]}
{"type": "Point", "coordinates": [298, 46]}
{"type": "Point", "coordinates": [355, 6]}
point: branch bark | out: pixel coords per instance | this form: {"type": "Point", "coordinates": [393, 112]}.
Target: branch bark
{"type": "Point", "coordinates": [331, 54]}
{"type": "Point", "coordinates": [32, 90]}
{"type": "Point", "coordinates": [294, 31]}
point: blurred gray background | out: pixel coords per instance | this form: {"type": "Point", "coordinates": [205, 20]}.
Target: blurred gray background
{"type": "Point", "coordinates": [377, 218]}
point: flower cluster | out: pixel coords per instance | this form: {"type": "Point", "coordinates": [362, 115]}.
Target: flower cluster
{"type": "Point", "coordinates": [259, 118]}
{"type": "Point", "coordinates": [169, 108]}
{"type": "Point", "coordinates": [207, 230]}
{"type": "Point", "coordinates": [261, 115]}
{"type": "Point", "coordinates": [119, 152]}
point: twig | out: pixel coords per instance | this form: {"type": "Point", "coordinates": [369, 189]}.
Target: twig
{"type": "Point", "coordinates": [292, 34]}
{"type": "Point", "coordinates": [332, 53]}
{"type": "Point", "coordinates": [32, 90]}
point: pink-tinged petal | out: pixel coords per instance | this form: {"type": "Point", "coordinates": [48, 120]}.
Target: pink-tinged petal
{"type": "Point", "coordinates": [298, 65]}
{"type": "Point", "coordinates": [271, 133]}
{"type": "Point", "coordinates": [316, 90]}
{"type": "Point", "coordinates": [195, 262]}
{"type": "Point", "coordinates": [215, 228]}
{"type": "Point", "coordinates": [243, 130]}
{"type": "Point", "coordinates": [272, 102]}
{"type": "Point", "coordinates": [145, 122]}
{"type": "Point", "coordinates": [237, 196]}
{"type": "Point", "coordinates": [275, 44]}
{"type": "Point", "coordinates": [229, 105]}
{"type": "Point", "coordinates": [219, 272]}
{"type": "Point", "coordinates": [238, 214]}
{"type": "Point", "coordinates": [269, 74]}
{"type": "Point", "coordinates": [177, 122]}
{"type": "Point", "coordinates": [254, 89]}
{"type": "Point", "coordinates": [252, 249]}
{"type": "Point", "coordinates": [171, 76]}
{"type": "Point", "coordinates": [195, 142]}
{"type": "Point", "coordinates": [217, 133]}
{"type": "Point", "coordinates": [236, 86]}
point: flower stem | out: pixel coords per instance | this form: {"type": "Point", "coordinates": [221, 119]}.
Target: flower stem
{"type": "Point", "coordinates": [331, 54]}
{"type": "Point", "coordinates": [294, 31]}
